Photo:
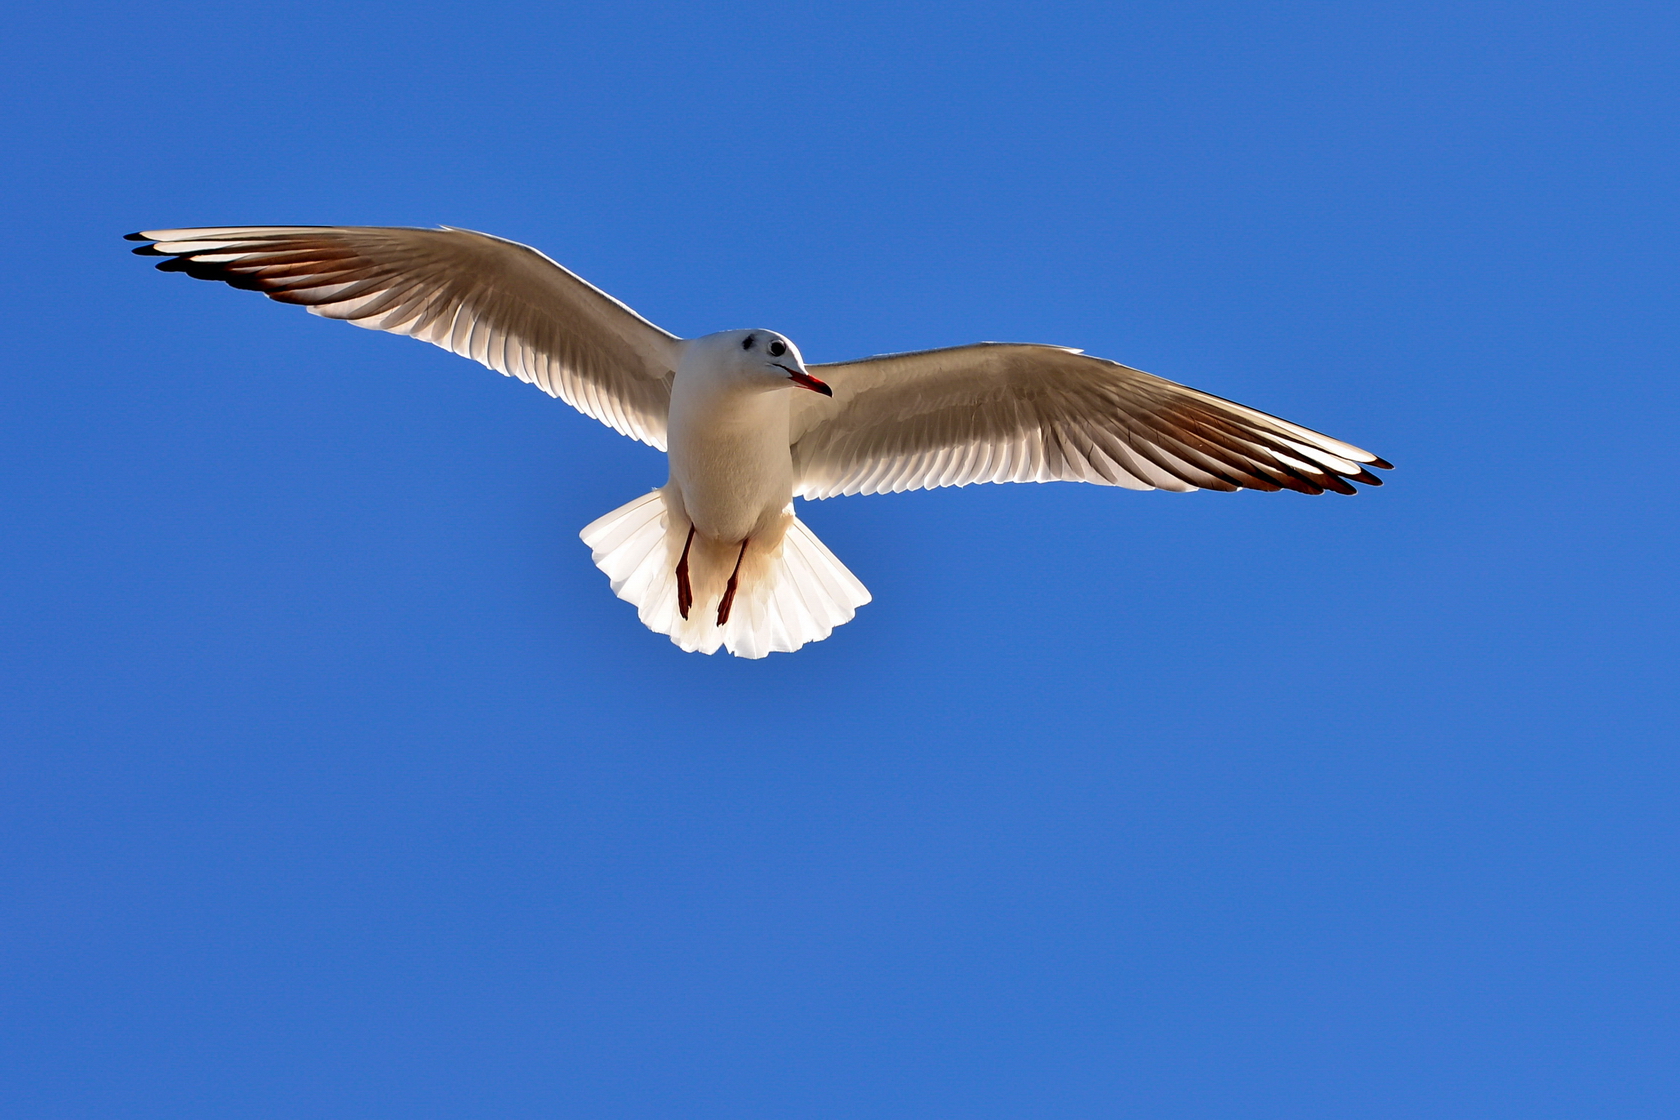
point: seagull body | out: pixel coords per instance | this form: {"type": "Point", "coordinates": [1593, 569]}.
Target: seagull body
{"type": "Point", "coordinates": [715, 558]}
{"type": "Point", "coordinates": [731, 462]}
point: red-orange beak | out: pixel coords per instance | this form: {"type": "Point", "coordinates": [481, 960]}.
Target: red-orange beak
{"type": "Point", "coordinates": [806, 381]}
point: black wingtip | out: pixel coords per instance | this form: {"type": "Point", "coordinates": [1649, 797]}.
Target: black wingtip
{"type": "Point", "coordinates": [147, 250]}
{"type": "Point", "coordinates": [1382, 463]}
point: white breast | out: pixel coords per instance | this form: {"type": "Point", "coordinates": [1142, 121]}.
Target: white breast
{"type": "Point", "coordinates": [730, 456]}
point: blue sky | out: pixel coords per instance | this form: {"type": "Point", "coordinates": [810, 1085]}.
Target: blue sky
{"type": "Point", "coordinates": [338, 784]}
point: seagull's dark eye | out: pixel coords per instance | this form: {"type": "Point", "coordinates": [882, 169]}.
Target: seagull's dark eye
{"type": "Point", "coordinates": [777, 348]}
{"type": "Point", "coordinates": [747, 342]}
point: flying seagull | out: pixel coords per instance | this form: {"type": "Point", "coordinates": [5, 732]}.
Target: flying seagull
{"type": "Point", "coordinates": [715, 557]}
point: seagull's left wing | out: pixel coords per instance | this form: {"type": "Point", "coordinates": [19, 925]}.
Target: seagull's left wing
{"type": "Point", "coordinates": [497, 302]}
{"type": "Point", "coordinates": [1004, 412]}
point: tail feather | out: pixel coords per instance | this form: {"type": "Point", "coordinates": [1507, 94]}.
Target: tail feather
{"type": "Point", "coordinates": [790, 592]}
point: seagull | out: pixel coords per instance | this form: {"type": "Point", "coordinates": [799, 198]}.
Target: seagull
{"type": "Point", "coordinates": [715, 558]}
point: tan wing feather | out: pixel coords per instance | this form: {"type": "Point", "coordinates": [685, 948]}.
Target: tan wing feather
{"type": "Point", "coordinates": [497, 302]}
{"type": "Point", "coordinates": [1006, 412]}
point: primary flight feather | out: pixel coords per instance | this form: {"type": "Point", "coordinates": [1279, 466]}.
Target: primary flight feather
{"type": "Point", "coordinates": [716, 558]}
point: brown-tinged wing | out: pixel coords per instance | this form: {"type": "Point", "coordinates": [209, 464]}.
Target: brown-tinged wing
{"type": "Point", "coordinates": [1007, 412]}
{"type": "Point", "coordinates": [497, 302]}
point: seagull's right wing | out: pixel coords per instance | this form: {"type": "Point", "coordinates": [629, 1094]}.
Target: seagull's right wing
{"type": "Point", "coordinates": [497, 302]}
{"type": "Point", "coordinates": [1004, 412]}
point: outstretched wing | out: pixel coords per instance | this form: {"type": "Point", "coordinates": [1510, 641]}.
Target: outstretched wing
{"type": "Point", "coordinates": [1005, 412]}
{"type": "Point", "coordinates": [497, 302]}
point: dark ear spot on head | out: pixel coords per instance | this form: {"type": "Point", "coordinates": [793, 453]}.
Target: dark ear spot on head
{"type": "Point", "coordinates": [747, 342]}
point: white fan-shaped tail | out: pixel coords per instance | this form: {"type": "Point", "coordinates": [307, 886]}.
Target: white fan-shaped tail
{"type": "Point", "coordinates": [789, 592]}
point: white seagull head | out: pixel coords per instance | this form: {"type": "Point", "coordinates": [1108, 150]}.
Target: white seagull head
{"type": "Point", "coordinates": [756, 359]}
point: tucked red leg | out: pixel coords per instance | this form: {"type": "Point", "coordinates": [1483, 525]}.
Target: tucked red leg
{"type": "Point", "coordinates": [729, 592]}
{"type": "Point", "coordinates": [685, 593]}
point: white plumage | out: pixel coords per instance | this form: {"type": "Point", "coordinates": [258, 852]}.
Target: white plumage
{"type": "Point", "coordinates": [716, 558]}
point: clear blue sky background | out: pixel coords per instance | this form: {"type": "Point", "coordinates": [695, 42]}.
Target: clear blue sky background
{"type": "Point", "coordinates": [337, 784]}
